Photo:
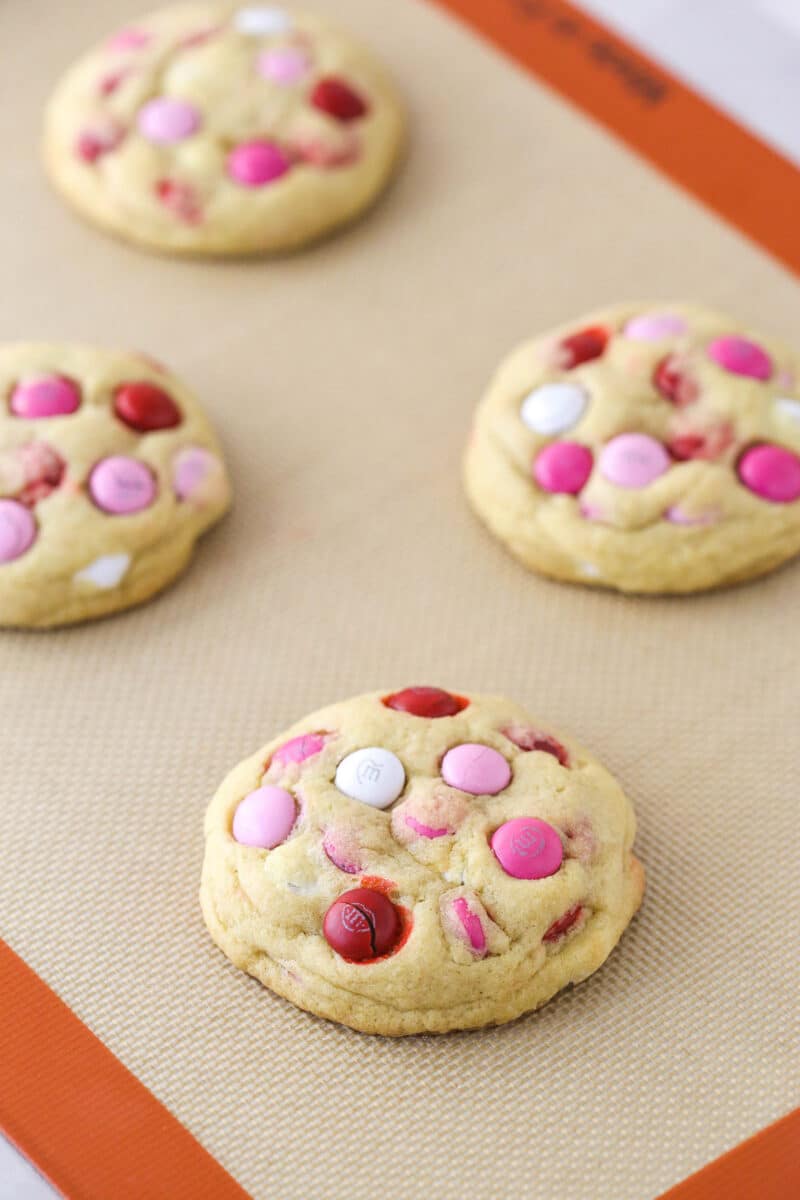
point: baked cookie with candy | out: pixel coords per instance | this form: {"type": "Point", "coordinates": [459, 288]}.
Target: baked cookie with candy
{"type": "Point", "coordinates": [223, 129]}
{"type": "Point", "coordinates": [646, 448]}
{"type": "Point", "coordinates": [419, 861]}
{"type": "Point", "coordinates": [109, 472]}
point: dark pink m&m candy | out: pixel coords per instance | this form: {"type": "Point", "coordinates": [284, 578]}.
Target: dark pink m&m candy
{"type": "Point", "coordinates": [527, 848]}
{"type": "Point", "coordinates": [362, 924]}
{"type": "Point", "coordinates": [563, 467]}
{"type": "Point", "coordinates": [45, 396]}
{"type": "Point", "coordinates": [428, 702]}
{"type": "Point", "coordinates": [771, 472]}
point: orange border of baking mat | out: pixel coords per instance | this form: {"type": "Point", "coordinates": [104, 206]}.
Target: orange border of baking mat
{"type": "Point", "coordinates": [69, 1105]}
{"type": "Point", "coordinates": [80, 1116]}
{"type": "Point", "coordinates": [744, 181]}
{"type": "Point", "coordinates": [765, 1167]}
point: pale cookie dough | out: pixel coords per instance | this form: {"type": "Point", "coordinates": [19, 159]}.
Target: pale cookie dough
{"type": "Point", "coordinates": [109, 472]}
{"type": "Point", "coordinates": [419, 861]}
{"type": "Point", "coordinates": [223, 129]}
{"type": "Point", "coordinates": [646, 448]}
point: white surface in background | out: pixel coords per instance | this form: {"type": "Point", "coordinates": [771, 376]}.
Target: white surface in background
{"type": "Point", "coordinates": [742, 54]}
{"type": "Point", "coordinates": [18, 1180]}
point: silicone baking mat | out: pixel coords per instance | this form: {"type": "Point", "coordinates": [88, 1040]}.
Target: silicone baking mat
{"type": "Point", "coordinates": [342, 381]}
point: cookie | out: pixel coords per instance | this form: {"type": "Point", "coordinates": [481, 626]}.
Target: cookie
{"type": "Point", "coordinates": [109, 472]}
{"type": "Point", "coordinates": [644, 448]}
{"type": "Point", "coordinates": [419, 861]}
{"type": "Point", "coordinates": [223, 129]}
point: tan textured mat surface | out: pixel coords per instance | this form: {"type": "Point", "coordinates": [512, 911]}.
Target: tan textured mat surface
{"type": "Point", "coordinates": [342, 383]}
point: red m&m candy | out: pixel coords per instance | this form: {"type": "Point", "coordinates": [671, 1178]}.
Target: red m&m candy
{"type": "Point", "coordinates": [362, 924]}
{"type": "Point", "coordinates": [336, 98]}
{"type": "Point", "coordinates": [563, 924]}
{"type": "Point", "coordinates": [674, 383]}
{"type": "Point", "coordinates": [145, 407]}
{"type": "Point", "coordinates": [426, 702]}
{"type": "Point", "coordinates": [582, 346]}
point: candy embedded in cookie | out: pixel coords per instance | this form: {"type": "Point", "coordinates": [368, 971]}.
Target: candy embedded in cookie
{"type": "Point", "coordinates": [419, 860]}
{"type": "Point", "coordinates": [219, 129]}
{"type": "Point", "coordinates": [645, 448]}
{"type": "Point", "coordinates": [109, 472]}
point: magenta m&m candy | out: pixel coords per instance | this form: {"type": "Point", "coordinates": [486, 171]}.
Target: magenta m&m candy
{"type": "Point", "coordinates": [265, 818]}
{"type": "Point", "coordinates": [771, 472]}
{"type": "Point", "coordinates": [633, 460]}
{"type": "Point", "coordinates": [362, 924]}
{"type": "Point", "coordinates": [44, 396]}
{"type": "Point", "coordinates": [527, 848]}
{"type": "Point", "coordinates": [563, 467]}
{"type": "Point", "coordinates": [477, 769]}
{"type": "Point", "coordinates": [740, 356]}
{"type": "Point", "coordinates": [17, 530]}
{"type": "Point", "coordinates": [254, 164]}
{"type": "Point", "coordinates": [120, 485]}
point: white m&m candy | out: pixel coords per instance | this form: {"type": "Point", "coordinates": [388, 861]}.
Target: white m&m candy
{"type": "Point", "coordinates": [374, 776]}
{"type": "Point", "coordinates": [261, 20]}
{"type": "Point", "coordinates": [553, 407]}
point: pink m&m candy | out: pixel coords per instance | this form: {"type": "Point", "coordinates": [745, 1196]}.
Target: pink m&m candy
{"type": "Point", "coordinates": [772, 472]}
{"type": "Point", "coordinates": [563, 467]}
{"type": "Point", "coordinates": [633, 460]}
{"type": "Point", "coordinates": [121, 485]}
{"type": "Point", "coordinates": [298, 749]}
{"type": "Point", "coordinates": [476, 769]}
{"type": "Point", "coordinates": [44, 396]}
{"type": "Point", "coordinates": [678, 516]}
{"type": "Point", "coordinates": [166, 119]}
{"type": "Point", "coordinates": [741, 357]}
{"type": "Point", "coordinates": [265, 818]}
{"type": "Point", "coordinates": [652, 327]}
{"type": "Point", "coordinates": [256, 163]}
{"type": "Point", "coordinates": [191, 471]}
{"type": "Point", "coordinates": [426, 831]}
{"type": "Point", "coordinates": [527, 848]}
{"type": "Point", "coordinates": [471, 925]}
{"type": "Point", "coordinates": [285, 66]}
{"type": "Point", "coordinates": [17, 530]}
{"type": "Point", "coordinates": [129, 39]}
